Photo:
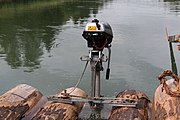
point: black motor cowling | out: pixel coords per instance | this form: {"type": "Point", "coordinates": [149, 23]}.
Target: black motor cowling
{"type": "Point", "coordinates": [98, 35]}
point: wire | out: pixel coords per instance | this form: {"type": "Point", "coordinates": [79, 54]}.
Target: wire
{"type": "Point", "coordinates": [78, 82]}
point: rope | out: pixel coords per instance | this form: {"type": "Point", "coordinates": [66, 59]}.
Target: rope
{"type": "Point", "coordinates": [78, 82]}
{"type": "Point", "coordinates": [165, 87]}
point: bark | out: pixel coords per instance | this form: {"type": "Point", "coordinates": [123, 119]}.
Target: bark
{"type": "Point", "coordinates": [61, 111]}
{"type": "Point", "coordinates": [18, 102]}
{"type": "Point", "coordinates": [140, 112]}
{"type": "Point", "coordinates": [166, 107]}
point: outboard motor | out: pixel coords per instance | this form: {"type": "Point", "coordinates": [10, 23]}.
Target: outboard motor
{"type": "Point", "coordinates": [98, 35]}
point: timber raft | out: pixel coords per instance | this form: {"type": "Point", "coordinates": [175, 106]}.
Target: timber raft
{"type": "Point", "coordinates": [24, 102]}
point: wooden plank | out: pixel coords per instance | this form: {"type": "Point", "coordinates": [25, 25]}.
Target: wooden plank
{"type": "Point", "coordinates": [140, 112]}
{"type": "Point", "coordinates": [18, 102]}
{"type": "Point", "coordinates": [61, 111]}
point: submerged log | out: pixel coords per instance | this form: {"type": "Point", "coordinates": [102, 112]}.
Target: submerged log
{"type": "Point", "coordinates": [166, 101]}
{"type": "Point", "coordinates": [140, 112]}
{"type": "Point", "coordinates": [61, 111]}
{"type": "Point", "coordinates": [19, 102]}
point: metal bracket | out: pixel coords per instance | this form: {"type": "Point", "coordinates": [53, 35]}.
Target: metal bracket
{"type": "Point", "coordinates": [100, 56]}
{"type": "Point", "coordinates": [96, 100]}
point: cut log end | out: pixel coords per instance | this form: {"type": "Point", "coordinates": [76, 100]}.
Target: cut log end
{"type": "Point", "coordinates": [17, 102]}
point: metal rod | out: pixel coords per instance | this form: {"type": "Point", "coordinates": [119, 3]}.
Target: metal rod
{"type": "Point", "coordinates": [93, 77]}
{"type": "Point", "coordinates": [108, 66]}
{"type": "Point", "coordinates": [97, 84]}
{"type": "Point", "coordinates": [109, 57]}
{"type": "Point", "coordinates": [173, 61]}
{"type": "Point", "coordinates": [96, 67]}
{"type": "Point", "coordinates": [124, 102]}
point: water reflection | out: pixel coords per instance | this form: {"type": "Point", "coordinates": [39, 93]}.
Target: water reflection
{"type": "Point", "coordinates": [26, 29]}
{"type": "Point", "coordinates": [173, 5]}
{"type": "Point", "coordinates": [171, 0]}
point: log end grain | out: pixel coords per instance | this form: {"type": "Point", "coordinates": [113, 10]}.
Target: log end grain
{"type": "Point", "coordinates": [18, 102]}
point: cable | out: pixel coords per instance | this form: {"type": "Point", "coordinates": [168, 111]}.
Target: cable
{"type": "Point", "coordinates": [79, 78]}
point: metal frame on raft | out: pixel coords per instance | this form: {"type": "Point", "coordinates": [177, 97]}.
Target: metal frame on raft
{"type": "Point", "coordinates": [93, 100]}
{"type": "Point", "coordinates": [95, 57]}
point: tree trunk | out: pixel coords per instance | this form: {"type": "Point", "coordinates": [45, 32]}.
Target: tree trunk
{"type": "Point", "coordinates": [19, 102]}
{"type": "Point", "coordinates": [166, 107]}
{"type": "Point", "coordinates": [61, 111]}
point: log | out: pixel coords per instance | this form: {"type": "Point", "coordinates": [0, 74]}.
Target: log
{"type": "Point", "coordinates": [140, 112]}
{"type": "Point", "coordinates": [165, 106]}
{"type": "Point", "coordinates": [18, 102]}
{"type": "Point", "coordinates": [61, 111]}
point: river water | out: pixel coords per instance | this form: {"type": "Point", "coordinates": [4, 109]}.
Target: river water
{"type": "Point", "coordinates": [41, 43]}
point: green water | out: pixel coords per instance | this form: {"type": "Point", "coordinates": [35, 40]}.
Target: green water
{"type": "Point", "coordinates": [41, 43]}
